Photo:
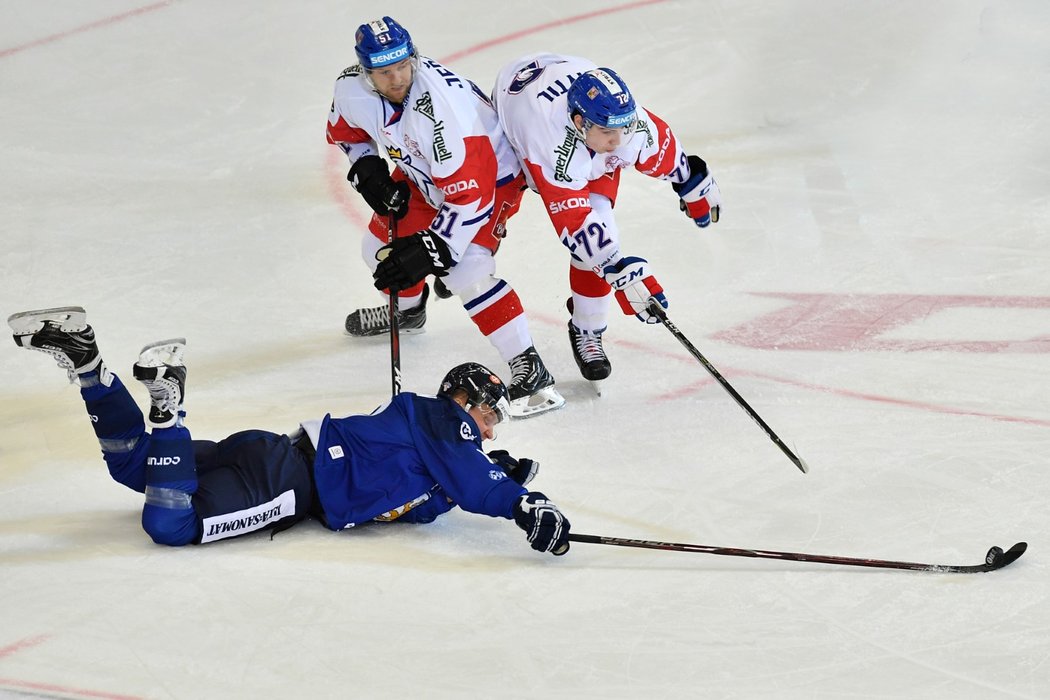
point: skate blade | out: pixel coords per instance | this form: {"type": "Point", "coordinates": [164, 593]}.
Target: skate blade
{"type": "Point", "coordinates": [163, 352]}
{"type": "Point", "coordinates": [544, 400]}
{"type": "Point", "coordinates": [71, 318]}
{"type": "Point", "coordinates": [596, 385]}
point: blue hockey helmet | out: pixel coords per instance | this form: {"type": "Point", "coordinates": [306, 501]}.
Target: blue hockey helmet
{"type": "Point", "coordinates": [481, 385]}
{"type": "Point", "coordinates": [381, 43]}
{"type": "Point", "coordinates": [602, 99]}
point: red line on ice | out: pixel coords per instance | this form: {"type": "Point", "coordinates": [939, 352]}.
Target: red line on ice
{"type": "Point", "coordinates": [66, 692]}
{"type": "Point", "coordinates": [12, 683]}
{"type": "Point", "coordinates": [705, 381]}
{"type": "Point", "coordinates": [21, 644]}
{"type": "Point", "coordinates": [84, 28]}
{"type": "Point", "coordinates": [548, 25]}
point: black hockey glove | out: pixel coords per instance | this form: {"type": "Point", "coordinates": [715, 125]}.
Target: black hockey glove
{"type": "Point", "coordinates": [547, 528]}
{"type": "Point", "coordinates": [522, 470]}
{"type": "Point", "coordinates": [408, 260]}
{"type": "Point", "coordinates": [370, 176]}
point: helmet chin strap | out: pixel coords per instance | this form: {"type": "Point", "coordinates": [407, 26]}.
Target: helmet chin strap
{"type": "Point", "coordinates": [581, 131]}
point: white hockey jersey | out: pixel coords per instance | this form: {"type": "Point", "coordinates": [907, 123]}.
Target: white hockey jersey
{"type": "Point", "coordinates": [445, 138]}
{"type": "Point", "coordinates": [530, 98]}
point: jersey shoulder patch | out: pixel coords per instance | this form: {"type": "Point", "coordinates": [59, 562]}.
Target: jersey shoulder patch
{"type": "Point", "coordinates": [351, 71]}
{"type": "Point", "coordinates": [467, 432]}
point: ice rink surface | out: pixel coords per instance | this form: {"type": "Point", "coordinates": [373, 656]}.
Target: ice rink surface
{"type": "Point", "coordinates": [877, 290]}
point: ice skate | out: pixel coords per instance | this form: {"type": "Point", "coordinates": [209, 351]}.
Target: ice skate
{"type": "Point", "coordinates": [376, 320]}
{"type": "Point", "coordinates": [62, 333]}
{"type": "Point", "coordinates": [532, 387]}
{"type": "Point", "coordinates": [590, 356]}
{"type": "Point", "coordinates": [161, 369]}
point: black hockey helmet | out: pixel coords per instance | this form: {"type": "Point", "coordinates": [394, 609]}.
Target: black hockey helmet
{"type": "Point", "coordinates": [482, 387]}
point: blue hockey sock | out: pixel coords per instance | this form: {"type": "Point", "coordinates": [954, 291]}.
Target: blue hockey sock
{"type": "Point", "coordinates": [171, 480]}
{"type": "Point", "coordinates": [119, 427]}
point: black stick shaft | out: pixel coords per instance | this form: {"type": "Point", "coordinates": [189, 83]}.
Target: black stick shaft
{"type": "Point", "coordinates": [395, 337]}
{"type": "Point", "coordinates": [658, 311]}
{"type": "Point", "coordinates": [990, 563]}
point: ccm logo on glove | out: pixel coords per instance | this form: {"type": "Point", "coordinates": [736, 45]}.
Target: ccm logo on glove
{"type": "Point", "coordinates": [634, 286]}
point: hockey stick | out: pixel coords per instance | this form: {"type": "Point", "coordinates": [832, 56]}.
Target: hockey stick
{"type": "Point", "coordinates": [658, 311]}
{"type": "Point", "coordinates": [995, 559]}
{"type": "Point", "coordinates": [395, 337]}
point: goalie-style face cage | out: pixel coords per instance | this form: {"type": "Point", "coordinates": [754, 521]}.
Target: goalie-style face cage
{"type": "Point", "coordinates": [602, 99]}
{"type": "Point", "coordinates": [481, 385]}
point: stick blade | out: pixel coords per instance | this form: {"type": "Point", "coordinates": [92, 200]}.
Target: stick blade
{"type": "Point", "coordinates": [1014, 553]}
{"type": "Point", "coordinates": [802, 464]}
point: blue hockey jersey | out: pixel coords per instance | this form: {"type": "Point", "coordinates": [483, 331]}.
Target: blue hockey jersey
{"type": "Point", "coordinates": [412, 460]}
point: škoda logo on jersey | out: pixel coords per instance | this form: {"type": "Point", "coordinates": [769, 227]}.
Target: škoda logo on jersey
{"type": "Point", "coordinates": [567, 204]}
{"type": "Point", "coordinates": [460, 186]}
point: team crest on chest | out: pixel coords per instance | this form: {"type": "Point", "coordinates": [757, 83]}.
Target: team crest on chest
{"type": "Point", "coordinates": [425, 106]}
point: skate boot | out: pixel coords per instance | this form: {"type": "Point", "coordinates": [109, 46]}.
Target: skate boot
{"type": "Point", "coordinates": [590, 356]}
{"type": "Point", "coordinates": [161, 369]}
{"type": "Point", "coordinates": [62, 333]}
{"type": "Point", "coordinates": [376, 320]}
{"type": "Point", "coordinates": [532, 386]}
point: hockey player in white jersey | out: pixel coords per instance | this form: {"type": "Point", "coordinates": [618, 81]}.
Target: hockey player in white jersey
{"type": "Point", "coordinates": [455, 184]}
{"type": "Point", "coordinates": [574, 126]}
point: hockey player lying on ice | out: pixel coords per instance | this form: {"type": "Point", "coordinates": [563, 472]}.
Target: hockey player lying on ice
{"type": "Point", "coordinates": [411, 460]}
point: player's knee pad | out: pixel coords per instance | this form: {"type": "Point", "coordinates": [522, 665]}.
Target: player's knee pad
{"type": "Point", "coordinates": [169, 518]}
{"type": "Point", "coordinates": [473, 275]}
{"type": "Point", "coordinates": [171, 478]}
{"type": "Point", "coordinates": [370, 245]}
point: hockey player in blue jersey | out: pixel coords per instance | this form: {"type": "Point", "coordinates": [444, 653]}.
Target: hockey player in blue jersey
{"type": "Point", "coordinates": [410, 460]}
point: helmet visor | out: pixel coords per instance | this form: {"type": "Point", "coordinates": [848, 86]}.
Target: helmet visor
{"type": "Point", "coordinates": [499, 408]}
